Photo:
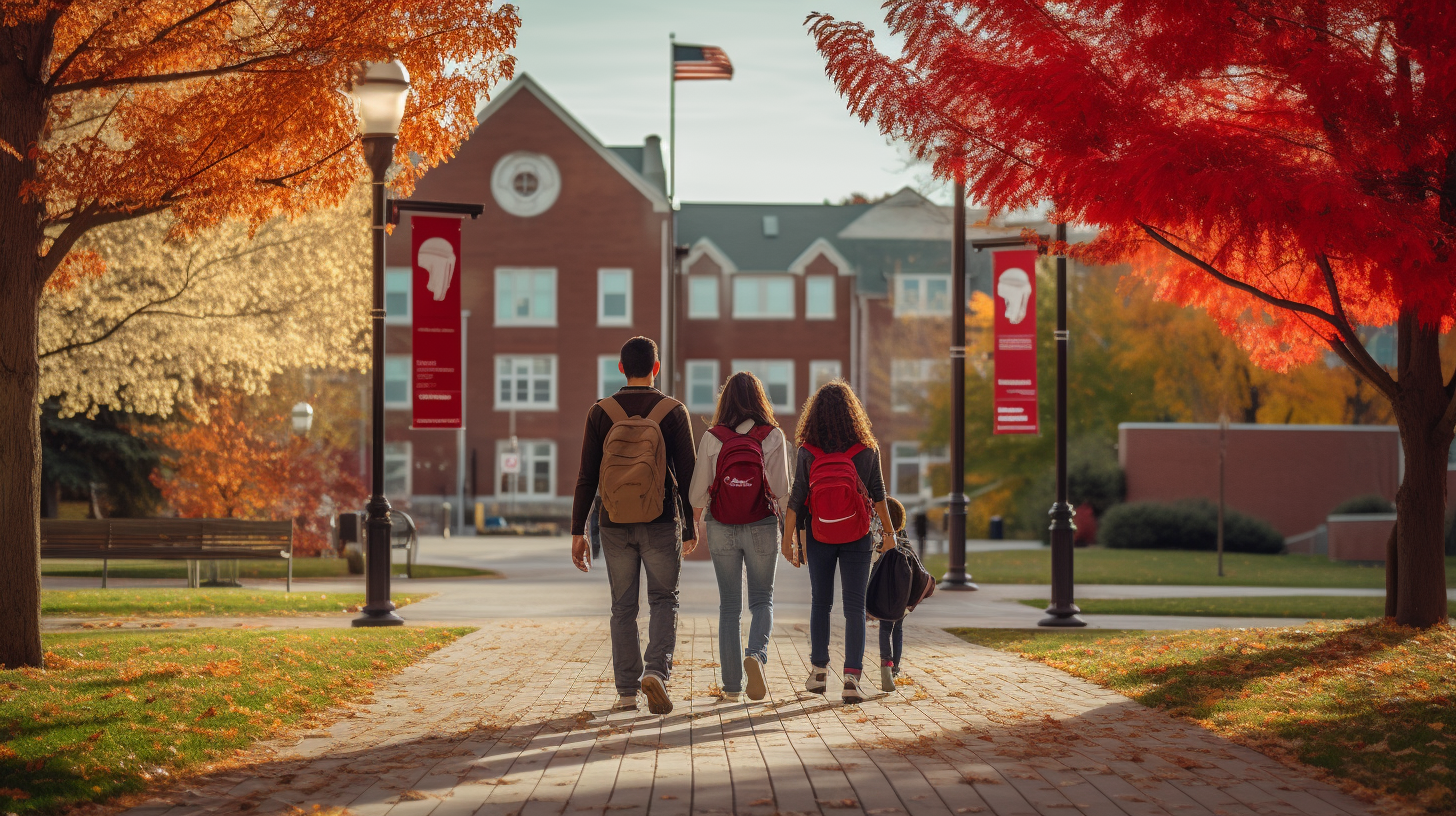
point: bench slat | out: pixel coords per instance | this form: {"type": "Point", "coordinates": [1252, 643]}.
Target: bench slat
{"type": "Point", "coordinates": [200, 539]}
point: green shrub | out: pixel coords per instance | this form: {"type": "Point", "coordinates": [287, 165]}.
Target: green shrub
{"type": "Point", "coordinates": [1093, 477]}
{"type": "Point", "coordinates": [1362, 505]}
{"type": "Point", "coordinates": [1191, 524]}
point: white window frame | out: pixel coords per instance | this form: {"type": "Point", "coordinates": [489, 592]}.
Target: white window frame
{"type": "Point", "coordinates": [740, 313]}
{"type": "Point", "coordinates": [602, 318]}
{"type": "Point", "coordinates": [392, 276]}
{"type": "Point", "coordinates": [510, 404]}
{"type": "Point", "coordinates": [920, 307]}
{"type": "Point", "coordinates": [603, 361]}
{"type": "Point", "coordinates": [407, 361]}
{"type": "Point", "coordinates": [925, 374]}
{"type": "Point", "coordinates": [827, 280]}
{"type": "Point", "coordinates": [715, 286]}
{"type": "Point", "coordinates": [757, 366]}
{"type": "Point", "coordinates": [524, 480]}
{"type": "Point", "coordinates": [715, 382]}
{"type": "Point", "coordinates": [814, 364]}
{"type": "Point", "coordinates": [396, 452]}
{"type": "Point", "coordinates": [503, 271]}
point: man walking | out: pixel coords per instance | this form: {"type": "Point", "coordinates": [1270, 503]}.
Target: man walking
{"type": "Point", "coordinates": [638, 449]}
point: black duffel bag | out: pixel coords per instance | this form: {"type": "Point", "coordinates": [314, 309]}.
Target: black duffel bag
{"type": "Point", "coordinates": [891, 583]}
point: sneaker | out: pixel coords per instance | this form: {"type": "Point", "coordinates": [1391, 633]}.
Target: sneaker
{"type": "Point", "coordinates": [757, 685]}
{"type": "Point", "coordinates": [887, 676]}
{"type": "Point", "coordinates": [656, 690]}
{"type": "Point", "coordinates": [732, 696]}
{"type": "Point", "coordinates": [852, 691]}
{"type": "Point", "coordinates": [818, 680]}
{"type": "Point", "coordinates": [626, 702]}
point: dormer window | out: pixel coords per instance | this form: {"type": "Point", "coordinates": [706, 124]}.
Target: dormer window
{"type": "Point", "coordinates": [770, 226]}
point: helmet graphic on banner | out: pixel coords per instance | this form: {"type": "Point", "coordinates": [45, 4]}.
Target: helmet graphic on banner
{"type": "Point", "coordinates": [437, 257]}
{"type": "Point", "coordinates": [1014, 287]}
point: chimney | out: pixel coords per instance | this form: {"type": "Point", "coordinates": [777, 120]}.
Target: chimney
{"type": "Point", "coordinates": [652, 163]}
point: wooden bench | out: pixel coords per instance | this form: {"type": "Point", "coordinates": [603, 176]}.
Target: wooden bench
{"type": "Point", "coordinates": [167, 539]}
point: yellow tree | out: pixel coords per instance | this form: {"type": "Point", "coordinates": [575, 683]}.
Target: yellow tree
{"type": "Point", "coordinates": [209, 110]}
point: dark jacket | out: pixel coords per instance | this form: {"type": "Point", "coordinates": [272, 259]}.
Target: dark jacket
{"type": "Point", "coordinates": [677, 436]}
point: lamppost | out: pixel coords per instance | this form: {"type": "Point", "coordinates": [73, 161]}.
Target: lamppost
{"type": "Point", "coordinates": [1062, 611]}
{"type": "Point", "coordinates": [955, 575]}
{"type": "Point", "coordinates": [302, 416]}
{"type": "Point", "coordinates": [380, 94]}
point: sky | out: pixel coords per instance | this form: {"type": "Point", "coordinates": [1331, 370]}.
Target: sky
{"type": "Point", "coordinates": [776, 132]}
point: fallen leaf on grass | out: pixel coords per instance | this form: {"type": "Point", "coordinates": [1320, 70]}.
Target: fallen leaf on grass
{"type": "Point", "coordinates": [12, 793]}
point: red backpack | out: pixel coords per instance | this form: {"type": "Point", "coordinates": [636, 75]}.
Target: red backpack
{"type": "Point", "coordinates": [838, 501]}
{"type": "Point", "coordinates": [740, 493]}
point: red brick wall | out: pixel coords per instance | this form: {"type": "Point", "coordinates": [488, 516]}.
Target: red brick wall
{"type": "Point", "coordinates": [1290, 476]}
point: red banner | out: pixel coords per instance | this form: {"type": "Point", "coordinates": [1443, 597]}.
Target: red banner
{"type": "Point", "coordinates": [1014, 273]}
{"type": "Point", "coordinates": [435, 302]}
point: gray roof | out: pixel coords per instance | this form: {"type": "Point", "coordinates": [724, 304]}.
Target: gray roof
{"type": "Point", "coordinates": [737, 229]}
{"type": "Point", "coordinates": [631, 154]}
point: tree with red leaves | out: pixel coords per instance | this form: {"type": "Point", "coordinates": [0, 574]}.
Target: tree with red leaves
{"type": "Point", "coordinates": [1288, 166]}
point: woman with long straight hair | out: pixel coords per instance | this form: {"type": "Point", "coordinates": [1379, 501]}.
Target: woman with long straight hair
{"type": "Point", "coordinates": [836, 481]}
{"type": "Point", "coordinates": [739, 486]}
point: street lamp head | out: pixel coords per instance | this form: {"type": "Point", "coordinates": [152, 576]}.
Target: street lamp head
{"type": "Point", "coordinates": [302, 418]}
{"type": "Point", "coordinates": [380, 91]}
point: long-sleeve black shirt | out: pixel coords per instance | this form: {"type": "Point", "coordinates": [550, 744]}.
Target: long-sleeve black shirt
{"type": "Point", "coordinates": [677, 436]}
{"type": "Point", "coordinates": [867, 462]}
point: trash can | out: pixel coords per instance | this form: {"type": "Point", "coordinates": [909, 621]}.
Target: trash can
{"type": "Point", "coordinates": [998, 528]}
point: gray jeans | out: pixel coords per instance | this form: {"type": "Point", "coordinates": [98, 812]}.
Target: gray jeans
{"type": "Point", "coordinates": [628, 552]}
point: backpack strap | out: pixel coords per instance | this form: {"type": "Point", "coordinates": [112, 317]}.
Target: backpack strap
{"type": "Point", "coordinates": [855, 449]}
{"type": "Point", "coordinates": [613, 409]}
{"type": "Point", "coordinates": [761, 432]}
{"type": "Point", "coordinates": [663, 407]}
{"type": "Point", "coordinates": [813, 451]}
{"type": "Point", "coordinates": [722, 433]}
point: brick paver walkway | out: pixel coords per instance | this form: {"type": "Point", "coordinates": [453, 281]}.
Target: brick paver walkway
{"type": "Point", "coordinates": [512, 721]}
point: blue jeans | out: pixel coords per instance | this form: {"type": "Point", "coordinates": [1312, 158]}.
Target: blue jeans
{"type": "Point", "coordinates": [892, 641]}
{"type": "Point", "coordinates": [631, 551]}
{"type": "Point", "coordinates": [853, 563]}
{"type": "Point", "coordinates": [736, 549]}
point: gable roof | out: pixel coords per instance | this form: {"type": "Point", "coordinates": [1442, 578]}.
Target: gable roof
{"type": "Point", "coordinates": [524, 82]}
{"type": "Point", "coordinates": [737, 230]}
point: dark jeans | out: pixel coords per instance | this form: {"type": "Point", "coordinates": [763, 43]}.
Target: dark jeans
{"type": "Point", "coordinates": [629, 551]}
{"type": "Point", "coordinates": [853, 562]}
{"type": "Point", "coordinates": [892, 641]}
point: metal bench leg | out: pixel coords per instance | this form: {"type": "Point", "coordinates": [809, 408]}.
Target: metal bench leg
{"type": "Point", "coordinates": [105, 568]}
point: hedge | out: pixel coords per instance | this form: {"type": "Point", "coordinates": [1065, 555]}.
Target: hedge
{"type": "Point", "coordinates": [1191, 524]}
{"type": "Point", "coordinates": [1363, 505]}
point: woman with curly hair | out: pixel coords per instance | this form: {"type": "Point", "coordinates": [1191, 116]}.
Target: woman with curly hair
{"type": "Point", "coordinates": [834, 422]}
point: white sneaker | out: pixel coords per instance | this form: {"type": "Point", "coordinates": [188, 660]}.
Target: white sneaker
{"type": "Point", "coordinates": [757, 684]}
{"type": "Point", "coordinates": [852, 691]}
{"type": "Point", "coordinates": [818, 680]}
{"type": "Point", "coordinates": [732, 696]}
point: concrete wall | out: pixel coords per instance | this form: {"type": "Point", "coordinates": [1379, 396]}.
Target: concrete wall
{"type": "Point", "coordinates": [1291, 476]}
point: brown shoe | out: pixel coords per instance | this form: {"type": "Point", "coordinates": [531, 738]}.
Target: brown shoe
{"type": "Point", "coordinates": [656, 690]}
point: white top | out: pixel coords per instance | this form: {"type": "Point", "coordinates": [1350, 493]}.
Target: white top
{"type": "Point", "coordinates": [775, 465]}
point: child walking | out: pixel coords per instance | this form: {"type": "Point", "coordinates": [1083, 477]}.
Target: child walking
{"type": "Point", "coordinates": [892, 633]}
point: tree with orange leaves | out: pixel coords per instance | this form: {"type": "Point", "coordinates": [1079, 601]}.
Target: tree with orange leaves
{"type": "Point", "coordinates": [242, 465]}
{"type": "Point", "coordinates": [1288, 166]}
{"type": "Point", "coordinates": [209, 110]}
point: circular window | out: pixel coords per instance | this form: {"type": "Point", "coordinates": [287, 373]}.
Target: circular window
{"type": "Point", "coordinates": [525, 184]}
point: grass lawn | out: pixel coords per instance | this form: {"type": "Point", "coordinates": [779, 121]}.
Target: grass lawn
{"type": "Point", "coordinates": [1331, 607]}
{"type": "Point", "coordinates": [112, 712]}
{"type": "Point", "coordinates": [1367, 701]}
{"type": "Point", "coordinates": [1099, 566]}
{"type": "Point", "coordinates": [188, 603]}
{"type": "Point", "coordinates": [303, 569]}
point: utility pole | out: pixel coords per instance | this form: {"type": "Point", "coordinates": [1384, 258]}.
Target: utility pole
{"type": "Point", "coordinates": [955, 575]}
{"type": "Point", "coordinates": [1062, 611]}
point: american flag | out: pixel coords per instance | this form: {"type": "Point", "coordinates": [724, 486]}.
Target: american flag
{"type": "Point", "coordinates": [700, 62]}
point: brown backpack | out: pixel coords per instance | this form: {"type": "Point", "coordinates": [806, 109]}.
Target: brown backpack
{"type": "Point", "coordinates": [634, 460]}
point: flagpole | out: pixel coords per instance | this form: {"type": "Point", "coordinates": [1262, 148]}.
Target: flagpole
{"type": "Point", "coordinates": [672, 117]}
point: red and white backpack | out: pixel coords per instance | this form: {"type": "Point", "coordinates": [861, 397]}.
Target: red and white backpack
{"type": "Point", "coordinates": [740, 493]}
{"type": "Point", "coordinates": [838, 502]}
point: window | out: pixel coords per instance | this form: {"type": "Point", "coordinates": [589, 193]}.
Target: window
{"type": "Point", "coordinates": [397, 295]}
{"type": "Point", "coordinates": [525, 383]}
{"type": "Point", "coordinates": [763, 297]}
{"type": "Point", "coordinates": [397, 381]}
{"type": "Point", "coordinates": [614, 297]}
{"type": "Point", "coordinates": [922, 295]}
{"type": "Point", "coordinates": [819, 297]}
{"type": "Point", "coordinates": [537, 479]}
{"type": "Point", "coordinates": [702, 385]}
{"type": "Point", "coordinates": [910, 469]}
{"type": "Point", "coordinates": [910, 382]}
{"type": "Point", "coordinates": [525, 297]}
{"type": "Point", "coordinates": [770, 226]}
{"type": "Point", "coordinates": [778, 380]}
{"type": "Point", "coordinates": [822, 371]}
{"type": "Point", "coordinates": [397, 469]}
{"type": "Point", "coordinates": [609, 379]}
{"type": "Point", "coordinates": [703, 297]}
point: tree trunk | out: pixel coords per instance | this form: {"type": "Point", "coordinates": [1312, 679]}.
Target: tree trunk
{"type": "Point", "coordinates": [21, 282]}
{"type": "Point", "coordinates": [1419, 567]}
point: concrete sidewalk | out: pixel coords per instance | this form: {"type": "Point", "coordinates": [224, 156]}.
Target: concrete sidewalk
{"type": "Point", "coordinates": [512, 721]}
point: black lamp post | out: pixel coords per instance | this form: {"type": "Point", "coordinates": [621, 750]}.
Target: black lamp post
{"type": "Point", "coordinates": [380, 93]}
{"type": "Point", "coordinates": [955, 575]}
{"type": "Point", "coordinates": [1062, 611]}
